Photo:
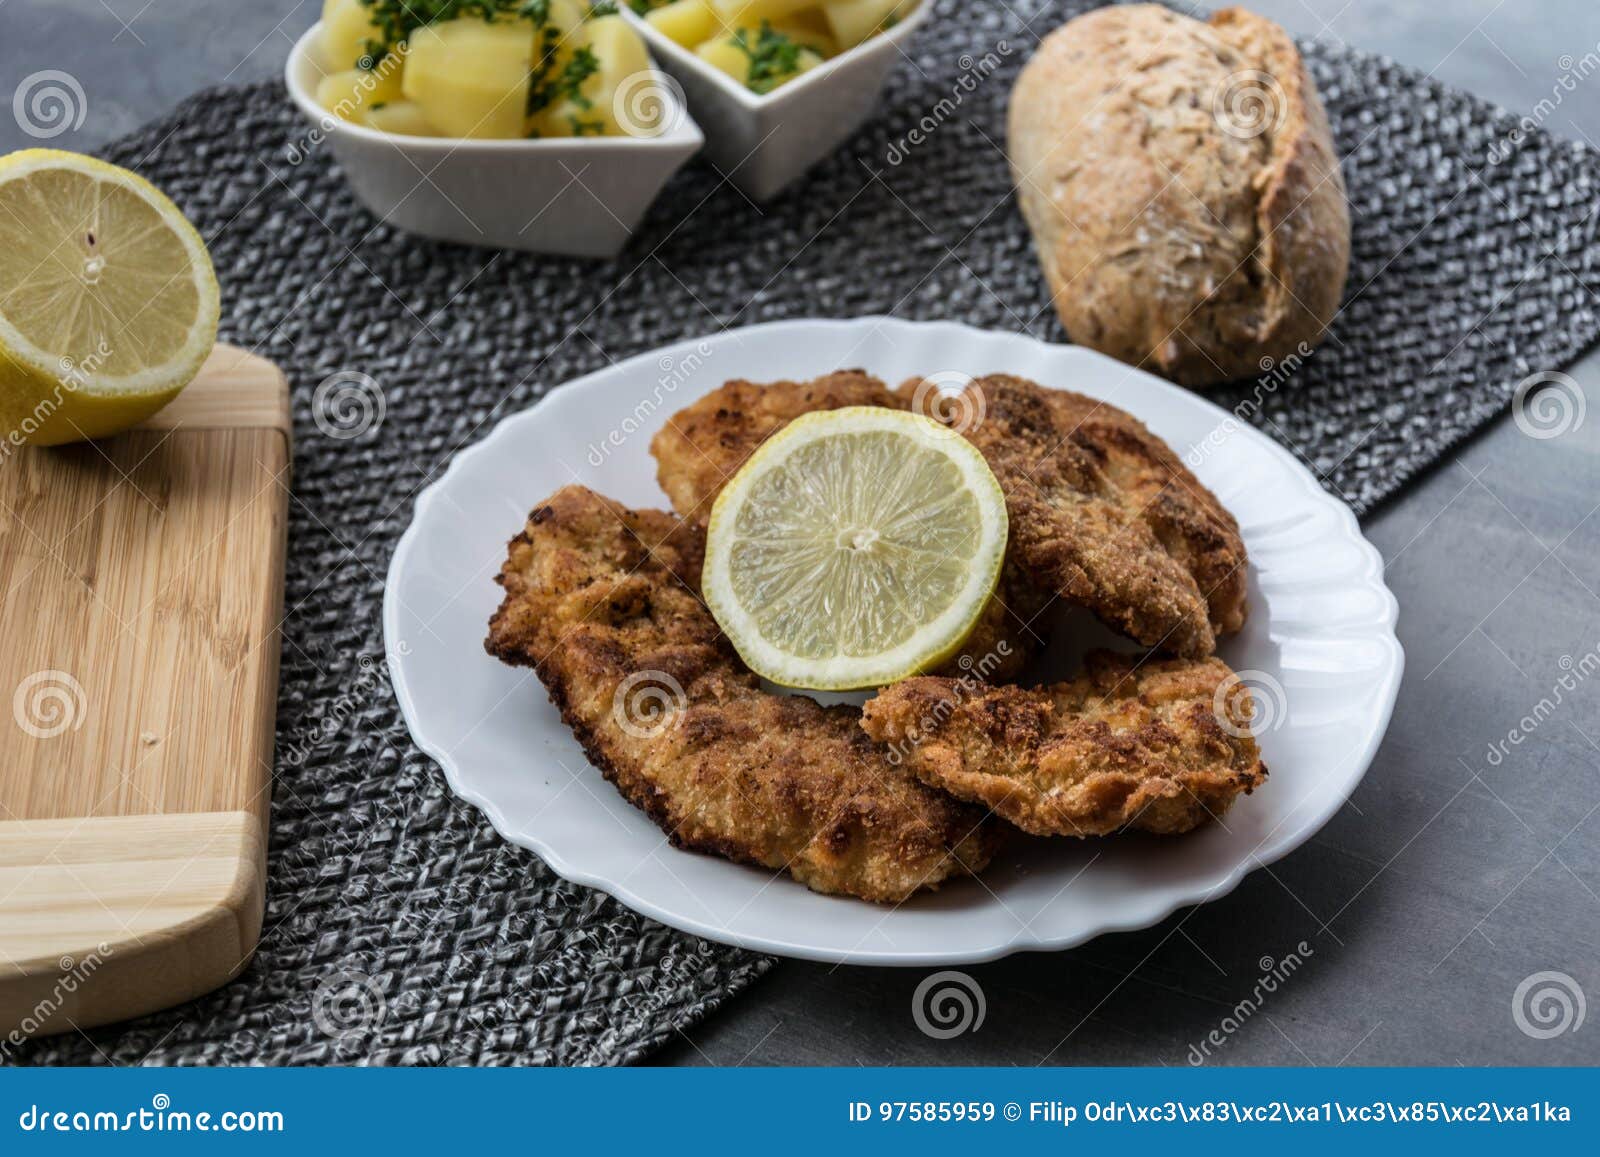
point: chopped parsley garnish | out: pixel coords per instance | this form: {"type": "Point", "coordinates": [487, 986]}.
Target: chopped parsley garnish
{"type": "Point", "coordinates": [567, 84]}
{"type": "Point", "coordinates": [395, 20]}
{"type": "Point", "coordinates": [773, 57]}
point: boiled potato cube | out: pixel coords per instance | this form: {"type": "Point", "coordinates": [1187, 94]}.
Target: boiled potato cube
{"type": "Point", "coordinates": [820, 42]}
{"type": "Point", "coordinates": [403, 117]}
{"type": "Point", "coordinates": [622, 54]}
{"type": "Point", "coordinates": [853, 21]}
{"type": "Point", "coordinates": [569, 118]}
{"type": "Point", "coordinates": [346, 29]}
{"type": "Point", "coordinates": [739, 13]}
{"type": "Point", "coordinates": [688, 22]}
{"type": "Point", "coordinates": [621, 51]}
{"type": "Point", "coordinates": [727, 56]}
{"type": "Point", "coordinates": [555, 45]}
{"type": "Point", "coordinates": [471, 77]}
{"type": "Point", "coordinates": [351, 94]}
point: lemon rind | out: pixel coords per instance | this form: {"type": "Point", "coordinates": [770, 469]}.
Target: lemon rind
{"type": "Point", "coordinates": [177, 371]}
{"type": "Point", "coordinates": [938, 640]}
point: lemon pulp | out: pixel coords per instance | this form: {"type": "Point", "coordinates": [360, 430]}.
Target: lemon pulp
{"type": "Point", "coordinates": [108, 302]}
{"type": "Point", "coordinates": [856, 547]}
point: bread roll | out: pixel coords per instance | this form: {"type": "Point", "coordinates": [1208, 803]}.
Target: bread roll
{"type": "Point", "coordinates": [1181, 186]}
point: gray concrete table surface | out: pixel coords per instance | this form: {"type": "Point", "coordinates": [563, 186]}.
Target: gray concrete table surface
{"type": "Point", "coordinates": [1452, 877]}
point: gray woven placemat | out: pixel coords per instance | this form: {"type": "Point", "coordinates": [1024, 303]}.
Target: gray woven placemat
{"type": "Point", "coordinates": [400, 928]}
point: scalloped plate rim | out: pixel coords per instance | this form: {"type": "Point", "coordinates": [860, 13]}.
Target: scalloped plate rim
{"type": "Point", "coordinates": [1166, 901]}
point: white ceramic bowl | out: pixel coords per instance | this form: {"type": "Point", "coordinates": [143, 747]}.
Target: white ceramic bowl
{"type": "Point", "coordinates": [1318, 652]}
{"type": "Point", "coordinates": [581, 196]}
{"type": "Point", "coordinates": [762, 142]}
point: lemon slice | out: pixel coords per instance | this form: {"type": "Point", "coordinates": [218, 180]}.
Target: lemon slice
{"type": "Point", "coordinates": [856, 547]}
{"type": "Point", "coordinates": [108, 303]}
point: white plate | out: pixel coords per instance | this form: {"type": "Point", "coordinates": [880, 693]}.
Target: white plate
{"type": "Point", "coordinates": [1320, 643]}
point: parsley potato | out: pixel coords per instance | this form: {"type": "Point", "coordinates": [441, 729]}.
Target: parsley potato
{"type": "Point", "coordinates": [763, 44]}
{"type": "Point", "coordinates": [485, 69]}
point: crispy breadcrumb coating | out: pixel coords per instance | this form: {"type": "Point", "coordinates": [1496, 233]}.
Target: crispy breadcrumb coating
{"type": "Point", "coordinates": [704, 444]}
{"type": "Point", "coordinates": [1104, 514]}
{"type": "Point", "coordinates": [602, 602]}
{"type": "Point", "coordinates": [1153, 745]}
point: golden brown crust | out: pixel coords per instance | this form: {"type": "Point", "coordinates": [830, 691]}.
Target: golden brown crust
{"type": "Point", "coordinates": [1129, 744]}
{"type": "Point", "coordinates": [1181, 185]}
{"type": "Point", "coordinates": [1106, 516]}
{"type": "Point", "coordinates": [704, 444]}
{"type": "Point", "coordinates": [601, 601]}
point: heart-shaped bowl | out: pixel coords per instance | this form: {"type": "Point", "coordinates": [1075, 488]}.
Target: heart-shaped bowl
{"type": "Point", "coordinates": [581, 196]}
{"type": "Point", "coordinates": [763, 141]}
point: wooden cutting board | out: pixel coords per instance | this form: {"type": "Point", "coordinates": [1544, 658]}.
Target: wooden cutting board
{"type": "Point", "coordinates": [143, 587]}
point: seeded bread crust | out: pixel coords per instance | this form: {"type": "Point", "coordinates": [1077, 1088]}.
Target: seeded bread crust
{"type": "Point", "coordinates": [1181, 185]}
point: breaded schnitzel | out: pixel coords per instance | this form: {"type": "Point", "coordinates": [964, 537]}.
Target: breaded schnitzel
{"type": "Point", "coordinates": [602, 602]}
{"type": "Point", "coordinates": [1105, 515]}
{"type": "Point", "coordinates": [704, 444]}
{"type": "Point", "coordinates": [1156, 746]}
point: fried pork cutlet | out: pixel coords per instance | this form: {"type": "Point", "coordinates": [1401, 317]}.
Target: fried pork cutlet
{"type": "Point", "coordinates": [600, 601]}
{"type": "Point", "coordinates": [1158, 746]}
{"type": "Point", "coordinates": [703, 445]}
{"type": "Point", "coordinates": [1105, 515]}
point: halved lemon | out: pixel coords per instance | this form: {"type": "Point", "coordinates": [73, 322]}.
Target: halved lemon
{"type": "Point", "coordinates": [108, 303]}
{"type": "Point", "coordinates": [856, 547]}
